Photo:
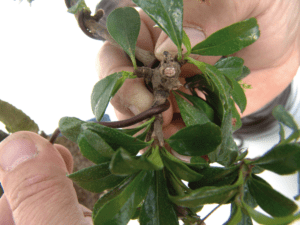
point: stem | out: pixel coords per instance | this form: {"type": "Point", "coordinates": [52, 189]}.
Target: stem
{"type": "Point", "coordinates": [125, 123]}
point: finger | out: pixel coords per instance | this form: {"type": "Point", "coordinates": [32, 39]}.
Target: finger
{"type": "Point", "coordinates": [33, 176]}
{"type": "Point", "coordinates": [6, 217]}
{"type": "Point", "coordinates": [67, 157]}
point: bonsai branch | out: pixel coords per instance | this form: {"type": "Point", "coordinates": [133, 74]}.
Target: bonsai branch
{"type": "Point", "coordinates": [125, 123]}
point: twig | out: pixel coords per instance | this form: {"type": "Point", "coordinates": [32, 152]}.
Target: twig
{"type": "Point", "coordinates": [125, 123]}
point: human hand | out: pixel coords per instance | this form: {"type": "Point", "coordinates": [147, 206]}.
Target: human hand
{"type": "Point", "coordinates": [36, 188]}
{"type": "Point", "coordinates": [273, 59]}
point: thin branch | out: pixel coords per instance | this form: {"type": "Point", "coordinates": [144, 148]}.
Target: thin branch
{"type": "Point", "coordinates": [125, 123]}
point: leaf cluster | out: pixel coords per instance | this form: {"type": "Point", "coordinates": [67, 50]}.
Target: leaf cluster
{"type": "Point", "coordinates": [150, 187]}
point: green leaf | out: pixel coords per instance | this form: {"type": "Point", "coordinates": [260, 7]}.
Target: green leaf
{"type": "Point", "coordinates": [80, 5]}
{"type": "Point", "coordinates": [245, 73]}
{"type": "Point", "coordinates": [235, 215]}
{"type": "Point", "coordinates": [199, 104]}
{"type": "Point", "coordinates": [70, 127]}
{"type": "Point", "coordinates": [270, 200]}
{"type": "Point", "coordinates": [283, 116]}
{"type": "Point", "coordinates": [216, 176]}
{"type": "Point", "coordinates": [263, 219]}
{"type": "Point", "coordinates": [248, 198]}
{"type": "Point", "coordinates": [205, 195]}
{"type": "Point", "coordinates": [187, 43]}
{"type": "Point", "coordinates": [157, 208]}
{"type": "Point", "coordinates": [232, 67]}
{"type": "Point", "coordinates": [116, 138]}
{"type": "Point", "coordinates": [196, 140]}
{"type": "Point", "coordinates": [213, 99]}
{"type": "Point", "coordinates": [229, 39]}
{"type": "Point", "coordinates": [190, 114]}
{"type": "Point", "coordinates": [94, 148]}
{"type": "Point", "coordinates": [216, 77]}
{"type": "Point", "coordinates": [238, 95]}
{"type": "Point", "coordinates": [120, 209]}
{"type": "Point", "coordinates": [228, 152]}
{"type": "Point", "coordinates": [133, 131]}
{"type": "Point", "coordinates": [15, 120]}
{"type": "Point", "coordinates": [96, 178]}
{"type": "Point", "coordinates": [282, 159]}
{"type": "Point", "coordinates": [155, 158]}
{"type": "Point", "coordinates": [281, 132]}
{"type": "Point", "coordinates": [111, 194]}
{"type": "Point", "coordinates": [102, 92]}
{"type": "Point", "coordinates": [168, 15]}
{"type": "Point", "coordinates": [235, 116]}
{"type": "Point", "coordinates": [179, 168]}
{"type": "Point", "coordinates": [123, 163]}
{"type": "Point", "coordinates": [123, 24]}
{"type": "Point", "coordinates": [236, 211]}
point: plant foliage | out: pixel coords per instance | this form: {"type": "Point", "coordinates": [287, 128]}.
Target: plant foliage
{"type": "Point", "coordinates": [150, 187]}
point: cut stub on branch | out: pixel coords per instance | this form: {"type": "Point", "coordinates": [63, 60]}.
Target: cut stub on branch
{"type": "Point", "coordinates": [164, 79]}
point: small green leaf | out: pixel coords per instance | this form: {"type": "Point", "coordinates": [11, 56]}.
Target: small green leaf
{"type": "Point", "coordinates": [283, 116]}
{"type": "Point", "coordinates": [238, 95]}
{"type": "Point", "coordinates": [232, 67]}
{"type": "Point", "coordinates": [196, 140]}
{"type": "Point", "coordinates": [70, 127]}
{"type": "Point", "coordinates": [123, 163]}
{"type": "Point", "coordinates": [123, 24]}
{"type": "Point", "coordinates": [235, 116]}
{"type": "Point", "coordinates": [229, 39]}
{"type": "Point", "coordinates": [116, 138]}
{"type": "Point", "coordinates": [281, 132]}
{"type": "Point", "coordinates": [270, 200]}
{"type": "Point", "coordinates": [216, 77]}
{"type": "Point", "coordinates": [228, 152]}
{"type": "Point", "coordinates": [155, 158]}
{"type": "Point", "coordinates": [187, 43]}
{"type": "Point", "coordinates": [15, 120]}
{"type": "Point", "coordinates": [179, 168]}
{"type": "Point", "coordinates": [80, 5]}
{"type": "Point", "coordinates": [245, 218]}
{"type": "Point", "coordinates": [263, 219]}
{"type": "Point", "coordinates": [235, 216]}
{"type": "Point", "coordinates": [119, 210]}
{"type": "Point", "coordinates": [282, 159]}
{"type": "Point", "coordinates": [248, 198]}
{"type": "Point", "coordinates": [200, 104]}
{"type": "Point", "coordinates": [102, 92]}
{"type": "Point", "coordinates": [96, 178]}
{"type": "Point", "coordinates": [205, 195]}
{"type": "Point", "coordinates": [216, 176]}
{"type": "Point", "coordinates": [157, 208]}
{"type": "Point", "coordinates": [245, 73]}
{"type": "Point", "coordinates": [94, 148]}
{"type": "Point", "coordinates": [111, 194]}
{"type": "Point", "coordinates": [190, 114]}
{"type": "Point", "coordinates": [168, 15]}
{"type": "Point", "coordinates": [137, 129]}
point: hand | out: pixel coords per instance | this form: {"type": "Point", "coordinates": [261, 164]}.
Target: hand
{"type": "Point", "coordinates": [273, 59]}
{"type": "Point", "coordinates": [36, 188]}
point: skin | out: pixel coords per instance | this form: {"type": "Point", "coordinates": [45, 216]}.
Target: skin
{"type": "Point", "coordinates": [273, 60]}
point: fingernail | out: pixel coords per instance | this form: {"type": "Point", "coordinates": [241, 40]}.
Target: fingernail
{"type": "Point", "coordinates": [134, 109]}
{"type": "Point", "coordinates": [16, 152]}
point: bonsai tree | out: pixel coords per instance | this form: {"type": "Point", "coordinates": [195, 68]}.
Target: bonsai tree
{"type": "Point", "coordinates": [149, 186]}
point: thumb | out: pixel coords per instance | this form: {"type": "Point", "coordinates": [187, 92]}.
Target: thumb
{"type": "Point", "coordinates": [33, 177]}
{"type": "Point", "coordinates": [164, 43]}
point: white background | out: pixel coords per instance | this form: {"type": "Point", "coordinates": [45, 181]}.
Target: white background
{"type": "Point", "coordinates": [47, 65]}
{"type": "Point", "coordinates": [47, 69]}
